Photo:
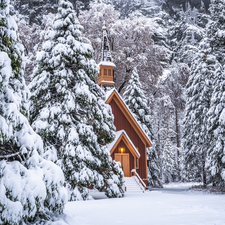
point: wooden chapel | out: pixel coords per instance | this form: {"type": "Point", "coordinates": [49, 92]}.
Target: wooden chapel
{"type": "Point", "coordinates": [129, 146]}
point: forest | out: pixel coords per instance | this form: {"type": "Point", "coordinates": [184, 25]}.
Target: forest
{"type": "Point", "coordinates": [54, 123]}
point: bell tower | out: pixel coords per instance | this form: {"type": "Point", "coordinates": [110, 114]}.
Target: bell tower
{"type": "Point", "coordinates": [105, 76]}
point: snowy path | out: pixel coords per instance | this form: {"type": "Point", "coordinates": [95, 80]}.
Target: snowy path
{"type": "Point", "coordinates": [171, 206]}
{"type": "Point", "coordinates": [174, 187]}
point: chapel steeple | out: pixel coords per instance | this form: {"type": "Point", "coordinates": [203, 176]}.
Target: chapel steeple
{"type": "Point", "coordinates": [105, 76]}
{"type": "Point", "coordinates": [105, 54]}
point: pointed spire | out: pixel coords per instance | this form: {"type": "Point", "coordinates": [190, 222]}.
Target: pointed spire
{"type": "Point", "coordinates": [106, 53]}
{"type": "Point", "coordinates": [105, 77]}
{"type": "Point", "coordinates": [104, 26]}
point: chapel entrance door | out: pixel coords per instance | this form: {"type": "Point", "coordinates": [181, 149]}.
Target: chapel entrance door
{"type": "Point", "coordinates": [123, 158]}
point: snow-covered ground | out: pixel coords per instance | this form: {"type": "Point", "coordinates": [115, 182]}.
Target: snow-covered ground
{"type": "Point", "coordinates": [174, 205]}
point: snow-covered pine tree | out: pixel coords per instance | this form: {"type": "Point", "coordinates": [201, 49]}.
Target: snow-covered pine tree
{"type": "Point", "coordinates": [153, 167]}
{"type": "Point", "coordinates": [168, 159]}
{"type": "Point", "coordinates": [216, 130]}
{"type": "Point", "coordinates": [164, 125]}
{"type": "Point", "coordinates": [173, 86]}
{"type": "Point", "coordinates": [199, 91]}
{"type": "Point", "coordinates": [135, 99]}
{"type": "Point", "coordinates": [185, 34]}
{"type": "Point", "coordinates": [216, 155]}
{"type": "Point", "coordinates": [69, 110]}
{"type": "Point", "coordinates": [216, 29]}
{"type": "Point", "coordinates": [31, 188]}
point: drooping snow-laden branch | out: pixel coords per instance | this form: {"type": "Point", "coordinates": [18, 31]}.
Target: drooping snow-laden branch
{"type": "Point", "coordinates": [18, 155]}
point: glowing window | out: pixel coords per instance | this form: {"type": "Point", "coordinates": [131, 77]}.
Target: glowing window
{"type": "Point", "coordinates": [121, 150]}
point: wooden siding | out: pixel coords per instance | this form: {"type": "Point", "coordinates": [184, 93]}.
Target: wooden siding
{"type": "Point", "coordinates": [126, 150]}
{"type": "Point", "coordinates": [122, 123]}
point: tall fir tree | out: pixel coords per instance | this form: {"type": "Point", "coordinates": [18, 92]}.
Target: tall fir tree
{"type": "Point", "coordinates": [135, 99]}
{"type": "Point", "coordinates": [216, 29]}
{"type": "Point", "coordinates": [168, 159]}
{"type": "Point", "coordinates": [69, 110]}
{"type": "Point", "coordinates": [199, 91]}
{"type": "Point", "coordinates": [31, 188]}
{"type": "Point", "coordinates": [216, 130]}
{"type": "Point", "coordinates": [153, 167]}
{"type": "Point", "coordinates": [216, 35]}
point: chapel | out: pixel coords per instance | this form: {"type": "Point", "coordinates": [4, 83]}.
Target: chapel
{"type": "Point", "coordinates": [131, 142]}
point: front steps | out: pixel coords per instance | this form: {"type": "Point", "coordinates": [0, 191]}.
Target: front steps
{"type": "Point", "coordinates": [133, 185]}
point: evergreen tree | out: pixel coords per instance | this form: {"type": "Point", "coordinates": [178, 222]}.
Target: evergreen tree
{"type": "Point", "coordinates": [216, 129]}
{"type": "Point", "coordinates": [171, 103]}
{"type": "Point", "coordinates": [153, 167]}
{"type": "Point", "coordinates": [168, 160]}
{"type": "Point", "coordinates": [186, 33]}
{"type": "Point", "coordinates": [216, 29]}
{"type": "Point", "coordinates": [216, 35]}
{"type": "Point", "coordinates": [31, 188]}
{"type": "Point", "coordinates": [69, 110]}
{"type": "Point", "coordinates": [199, 90]}
{"type": "Point", "coordinates": [135, 99]}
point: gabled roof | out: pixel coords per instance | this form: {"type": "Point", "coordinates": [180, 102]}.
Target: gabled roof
{"type": "Point", "coordinates": [122, 135]}
{"type": "Point", "coordinates": [113, 94]}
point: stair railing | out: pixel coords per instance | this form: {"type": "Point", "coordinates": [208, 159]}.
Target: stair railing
{"type": "Point", "coordinates": [139, 178]}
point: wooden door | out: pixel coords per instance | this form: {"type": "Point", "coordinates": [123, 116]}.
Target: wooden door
{"type": "Point", "coordinates": [118, 158]}
{"type": "Point", "coordinates": [124, 161]}
{"type": "Point", "coordinates": [126, 165]}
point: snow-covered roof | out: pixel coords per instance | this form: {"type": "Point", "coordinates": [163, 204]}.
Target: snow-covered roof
{"type": "Point", "coordinates": [108, 93]}
{"type": "Point", "coordinates": [118, 134]}
{"type": "Point", "coordinates": [107, 81]}
{"type": "Point", "coordinates": [107, 96]}
{"type": "Point", "coordinates": [107, 63]}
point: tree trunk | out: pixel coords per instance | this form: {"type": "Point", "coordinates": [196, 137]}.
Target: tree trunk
{"type": "Point", "coordinates": [203, 168]}
{"type": "Point", "coordinates": [178, 144]}
{"type": "Point", "coordinates": [158, 150]}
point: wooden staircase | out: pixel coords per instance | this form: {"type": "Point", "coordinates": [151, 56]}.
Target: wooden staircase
{"type": "Point", "coordinates": [133, 185]}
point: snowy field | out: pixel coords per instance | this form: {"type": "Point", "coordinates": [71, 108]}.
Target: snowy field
{"type": "Point", "coordinates": [174, 205]}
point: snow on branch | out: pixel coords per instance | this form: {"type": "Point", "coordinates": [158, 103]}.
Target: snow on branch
{"type": "Point", "coordinates": [13, 156]}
